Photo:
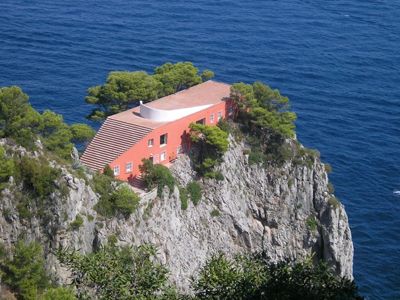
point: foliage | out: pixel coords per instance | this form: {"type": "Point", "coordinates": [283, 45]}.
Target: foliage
{"type": "Point", "coordinates": [21, 122]}
{"type": "Point", "coordinates": [334, 202]}
{"type": "Point", "coordinates": [59, 293]}
{"type": "Point", "coordinates": [194, 190]}
{"type": "Point", "coordinates": [253, 277]}
{"type": "Point", "coordinates": [37, 176]}
{"type": "Point", "coordinates": [265, 116]}
{"type": "Point", "coordinates": [211, 143]}
{"type": "Point", "coordinates": [25, 273]}
{"type": "Point", "coordinates": [107, 171]}
{"type": "Point", "coordinates": [215, 213]}
{"type": "Point", "coordinates": [125, 89]}
{"type": "Point", "coordinates": [183, 195]}
{"type": "Point", "coordinates": [156, 175]}
{"type": "Point", "coordinates": [7, 167]}
{"type": "Point", "coordinates": [312, 223]}
{"type": "Point", "coordinates": [124, 200]}
{"type": "Point", "coordinates": [113, 198]}
{"type": "Point", "coordinates": [117, 272]}
{"type": "Point", "coordinates": [331, 188]}
{"type": "Point", "coordinates": [328, 168]}
{"type": "Point", "coordinates": [77, 223]}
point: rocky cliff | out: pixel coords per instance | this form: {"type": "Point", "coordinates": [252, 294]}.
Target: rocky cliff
{"type": "Point", "coordinates": [287, 212]}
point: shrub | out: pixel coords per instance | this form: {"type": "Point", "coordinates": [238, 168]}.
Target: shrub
{"type": "Point", "coordinates": [59, 293]}
{"type": "Point", "coordinates": [224, 125]}
{"type": "Point", "coordinates": [334, 202]}
{"type": "Point", "coordinates": [77, 223]}
{"type": "Point", "coordinates": [215, 213]}
{"type": "Point", "coordinates": [156, 175]}
{"type": "Point", "coordinates": [114, 200]}
{"type": "Point", "coordinates": [37, 176]}
{"type": "Point", "coordinates": [25, 273]}
{"type": "Point", "coordinates": [331, 188]}
{"type": "Point", "coordinates": [107, 171]}
{"type": "Point", "coordinates": [183, 194]}
{"type": "Point", "coordinates": [7, 168]}
{"type": "Point", "coordinates": [124, 200]}
{"type": "Point", "coordinates": [194, 190]}
{"type": "Point", "coordinates": [217, 175]}
{"type": "Point", "coordinates": [328, 168]}
{"type": "Point", "coordinates": [312, 223]}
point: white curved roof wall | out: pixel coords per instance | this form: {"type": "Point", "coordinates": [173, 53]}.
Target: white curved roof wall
{"type": "Point", "coordinates": [163, 115]}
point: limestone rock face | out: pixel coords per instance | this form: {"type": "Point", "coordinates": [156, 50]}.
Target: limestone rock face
{"type": "Point", "coordinates": [286, 212]}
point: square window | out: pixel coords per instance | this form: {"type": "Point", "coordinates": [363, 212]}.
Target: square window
{"type": "Point", "coordinates": [201, 121]}
{"type": "Point", "coordinates": [162, 156]}
{"type": "Point", "coordinates": [116, 170]}
{"type": "Point", "coordinates": [150, 142]}
{"type": "Point", "coordinates": [212, 118]}
{"type": "Point", "coordinates": [219, 115]}
{"type": "Point", "coordinates": [128, 168]}
{"type": "Point", "coordinates": [163, 139]}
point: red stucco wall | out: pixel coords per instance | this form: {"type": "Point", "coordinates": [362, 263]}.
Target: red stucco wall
{"type": "Point", "coordinates": [176, 131]}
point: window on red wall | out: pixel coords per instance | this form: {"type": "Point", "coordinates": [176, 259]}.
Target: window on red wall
{"type": "Point", "coordinates": [128, 167]}
{"type": "Point", "coordinates": [219, 115]}
{"type": "Point", "coordinates": [150, 142]}
{"type": "Point", "coordinates": [212, 118]}
{"type": "Point", "coordinates": [162, 156]}
{"type": "Point", "coordinates": [116, 170]}
{"type": "Point", "coordinates": [163, 139]}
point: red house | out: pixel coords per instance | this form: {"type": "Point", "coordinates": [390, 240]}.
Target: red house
{"type": "Point", "coordinates": [157, 130]}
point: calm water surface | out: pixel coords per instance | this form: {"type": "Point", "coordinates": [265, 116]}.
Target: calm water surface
{"type": "Point", "coordinates": [338, 61]}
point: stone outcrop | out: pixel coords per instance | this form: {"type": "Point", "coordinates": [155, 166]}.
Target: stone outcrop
{"type": "Point", "coordinates": [286, 212]}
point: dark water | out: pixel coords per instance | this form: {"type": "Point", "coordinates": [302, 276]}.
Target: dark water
{"type": "Point", "coordinates": [339, 61]}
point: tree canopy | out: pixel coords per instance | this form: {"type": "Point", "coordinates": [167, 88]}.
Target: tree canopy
{"type": "Point", "coordinates": [211, 143]}
{"type": "Point", "coordinates": [124, 89]}
{"type": "Point", "coordinates": [21, 122]}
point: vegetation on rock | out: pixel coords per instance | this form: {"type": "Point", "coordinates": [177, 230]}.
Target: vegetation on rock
{"type": "Point", "coordinates": [125, 89]}
{"type": "Point", "coordinates": [253, 277]}
{"type": "Point", "coordinates": [211, 143]}
{"type": "Point", "coordinates": [22, 123]}
{"type": "Point", "coordinates": [156, 175]}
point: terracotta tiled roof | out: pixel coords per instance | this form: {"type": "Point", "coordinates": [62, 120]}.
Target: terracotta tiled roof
{"type": "Point", "coordinates": [113, 139]}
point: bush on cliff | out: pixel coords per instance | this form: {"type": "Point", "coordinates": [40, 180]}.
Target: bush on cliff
{"type": "Point", "coordinates": [156, 175]}
{"type": "Point", "coordinates": [114, 198]}
{"type": "Point", "coordinates": [115, 272]}
{"type": "Point", "coordinates": [211, 143]}
{"type": "Point", "coordinates": [252, 277]}
{"type": "Point", "coordinates": [7, 168]}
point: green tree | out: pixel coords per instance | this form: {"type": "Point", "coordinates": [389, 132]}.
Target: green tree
{"type": "Point", "coordinates": [177, 77]}
{"type": "Point", "coordinates": [125, 89]}
{"type": "Point", "coordinates": [118, 272]}
{"type": "Point", "coordinates": [211, 143]}
{"type": "Point", "coordinates": [25, 273]}
{"type": "Point", "coordinates": [81, 133]}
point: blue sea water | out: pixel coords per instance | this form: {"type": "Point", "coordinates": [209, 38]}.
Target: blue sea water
{"type": "Point", "coordinates": [338, 61]}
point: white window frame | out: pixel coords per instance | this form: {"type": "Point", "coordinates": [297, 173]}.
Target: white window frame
{"type": "Point", "coordinates": [163, 156]}
{"type": "Point", "coordinates": [130, 164]}
{"type": "Point", "coordinates": [212, 118]}
{"type": "Point", "coordinates": [150, 143]}
{"type": "Point", "coordinates": [219, 115]}
{"type": "Point", "coordinates": [116, 170]}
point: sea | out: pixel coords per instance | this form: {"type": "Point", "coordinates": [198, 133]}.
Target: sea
{"type": "Point", "coordinates": [338, 61]}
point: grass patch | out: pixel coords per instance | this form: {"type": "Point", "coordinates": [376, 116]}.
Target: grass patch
{"type": "Point", "coordinates": [77, 223]}
{"type": "Point", "coordinates": [215, 213]}
{"type": "Point", "coordinates": [194, 190]}
{"type": "Point", "coordinates": [312, 223]}
{"type": "Point", "coordinates": [334, 202]}
{"type": "Point", "coordinates": [184, 197]}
